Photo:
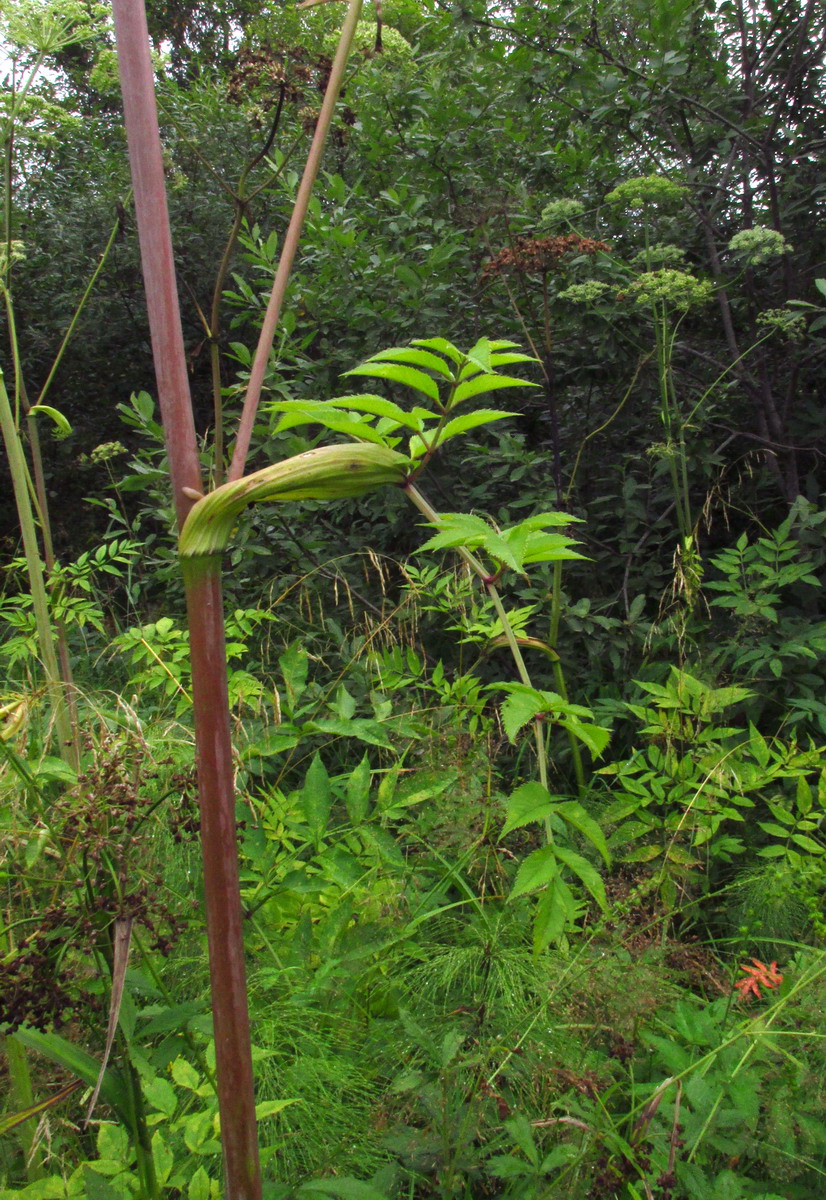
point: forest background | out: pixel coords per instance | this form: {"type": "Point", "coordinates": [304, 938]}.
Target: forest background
{"type": "Point", "coordinates": [472, 973]}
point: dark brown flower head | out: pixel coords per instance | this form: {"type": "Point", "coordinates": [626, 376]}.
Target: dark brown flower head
{"type": "Point", "coordinates": [261, 74]}
{"type": "Point", "coordinates": [538, 256]}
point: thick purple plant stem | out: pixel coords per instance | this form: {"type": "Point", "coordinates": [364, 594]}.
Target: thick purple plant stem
{"type": "Point", "coordinates": [236, 1097]}
{"type": "Point", "coordinates": [202, 579]}
{"type": "Point", "coordinates": [146, 162]}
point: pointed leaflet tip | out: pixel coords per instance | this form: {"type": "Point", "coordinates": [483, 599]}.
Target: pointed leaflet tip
{"type": "Point", "coordinates": [326, 473]}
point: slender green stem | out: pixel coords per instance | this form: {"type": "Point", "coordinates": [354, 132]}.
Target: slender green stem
{"type": "Point", "coordinates": [290, 246]}
{"type": "Point", "coordinates": [559, 672]}
{"type": "Point", "coordinates": [23, 1097]}
{"type": "Point", "coordinates": [478, 568]}
{"type": "Point", "coordinates": [140, 1134]}
{"type": "Point", "coordinates": [78, 311]}
{"type": "Point", "coordinates": [214, 348]}
{"type": "Point", "coordinates": [36, 575]}
{"type": "Point", "coordinates": [40, 502]}
{"type": "Point", "coordinates": [39, 485]}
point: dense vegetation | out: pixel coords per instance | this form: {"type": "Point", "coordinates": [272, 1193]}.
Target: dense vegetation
{"type": "Point", "coordinates": [529, 777]}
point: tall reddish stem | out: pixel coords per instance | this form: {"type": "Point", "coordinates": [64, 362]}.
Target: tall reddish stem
{"type": "Point", "coordinates": [146, 161]}
{"type": "Point", "coordinates": [236, 1098]}
{"type": "Point", "coordinates": [216, 788]}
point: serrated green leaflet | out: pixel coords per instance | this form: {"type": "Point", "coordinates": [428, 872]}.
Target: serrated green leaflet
{"type": "Point", "coordinates": [398, 373]}
{"type": "Point", "coordinates": [587, 874]}
{"type": "Point", "coordinates": [416, 358]}
{"type": "Point", "coordinates": [442, 346]}
{"type": "Point", "coordinates": [471, 420]}
{"type": "Point", "coordinates": [538, 869]}
{"type": "Point", "coordinates": [486, 383]}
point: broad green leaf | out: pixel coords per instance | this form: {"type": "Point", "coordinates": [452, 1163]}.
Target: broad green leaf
{"type": "Point", "coordinates": [530, 803]}
{"type": "Point", "coordinates": [505, 551]}
{"type": "Point", "coordinates": [550, 547]}
{"type": "Point", "coordinates": [478, 356]}
{"type": "Point", "coordinates": [502, 1166]}
{"type": "Point", "coordinates": [358, 792]}
{"type": "Point", "coordinates": [471, 420]}
{"type": "Point", "coordinates": [486, 383]}
{"type": "Point", "coordinates": [774, 830]}
{"type": "Point", "coordinates": [537, 870]}
{"type": "Point", "coordinates": [175, 1018]}
{"type": "Point", "coordinates": [269, 1108]}
{"type": "Point", "coordinates": [644, 854]}
{"type": "Point", "coordinates": [416, 358]}
{"type": "Point", "coordinates": [532, 701]}
{"type": "Point", "coordinates": [518, 710]}
{"type": "Point", "coordinates": [588, 875]}
{"type": "Point", "coordinates": [161, 1095]}
{"type": "Point", "coordinates": [508, 359]}
{"type": "Point", "coordinates": [198, 1188]}
{"type": "Point", "coordinates": [345, 704]}
{"type": "Point", "coordinates": [804, 796]}
{"type": "Point", "coordinates": [50, 768]}
{"type": "Point", "coordinates": [680, 856]}
{"type": "Point", "coordinates": [110, 1167]}
{"type": "Point", "coordinates": [275, 740]}
{"type": "Point", "coordinates": [573, 812]}
{"type": "Point", "coordinates": [184, 1074]}
{"type": "Point", "coordinates": [408, 276]}
{"type": "Point", "coordinates": [520, 1129]}
{"type": "Point", "coordinates": [350, 423]}
{"type": "Point", "coordinates": [555, 910]}
{"type": "Point", "coordinates": [451, 1045]}
{"type": "Point", "coordinates": [379, 407]}
{"type": "Point", "coordinates": [387, 787]}
{"type": "Point", "coordinates": [97, 1187]}
{"type": "Point", "coordinates": [399, 373]}
{"type": "Point", "coordinates": [807, 843]}
{"type": "Point", "coordinates": [419, 787]}
{"type": "Point", "coordinates": [162, 1156]}
{"type": "Point", "coordinates": [544, 519]}
{"type": "Point", "coordinates": [758, 746]}
{"type": "Point", "coordinates": [51, 1188]}
{"type": "Point", "coordinates": [441, 346]}
{"type": "Point", "coordinates": [595, 737]}
{"type": "Point", "coordinates": [458, 529]}
{"type": "Point", "coordinates": [294, 664]}
{"type": "Point", "coordinates": [372, 733]}
{"type": "Point", "coordinates": [317, 797]}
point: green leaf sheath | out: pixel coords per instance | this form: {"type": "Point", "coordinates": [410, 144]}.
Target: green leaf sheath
{"type": "Point", "coordinates": [326, 473]}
